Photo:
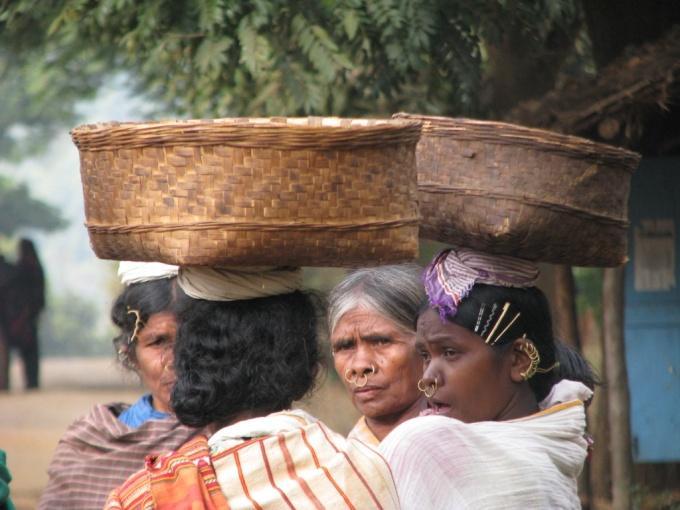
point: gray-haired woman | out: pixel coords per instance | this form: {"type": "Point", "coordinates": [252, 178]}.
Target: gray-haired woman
{"type": "Point", "coordinates": [371, 318]}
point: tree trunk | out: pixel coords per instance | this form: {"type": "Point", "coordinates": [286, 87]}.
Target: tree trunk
{"type": "Point", "coordinates": [617, 384]}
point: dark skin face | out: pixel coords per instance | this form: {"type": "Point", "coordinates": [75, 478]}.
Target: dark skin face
{"type": "Point", "coordinates": [475, 382]}
{"type": "Point", "coordinates": [364, 340]}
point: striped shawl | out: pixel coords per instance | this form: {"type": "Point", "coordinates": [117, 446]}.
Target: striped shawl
{"type": "Point", "coordinates": [98, 452]}
{"type": "Point", "coordinates": [285, 460]}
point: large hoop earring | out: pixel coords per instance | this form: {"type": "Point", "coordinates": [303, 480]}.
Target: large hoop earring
{"type": "Point", "coordinates": [534, 360]}
{"type": "Point", "coordinates": [428, 389]}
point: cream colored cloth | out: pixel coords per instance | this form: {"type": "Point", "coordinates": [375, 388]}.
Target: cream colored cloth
{"type": "Point", "coordinates": [442, 463]}
{"type": "Point", "coordinates": [363, 433]}
{"type": "Point", "coordinates": [292, 460]}
{"type": "Point", "coordinates": [236, 283]}
{"type": "Point", "coordinates": [131, 272]}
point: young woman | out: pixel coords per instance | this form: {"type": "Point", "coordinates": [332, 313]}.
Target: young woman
{"type": "Point", "coordinates": [371, 319]}
{"type": "Point", "coordinates": [505, 422]}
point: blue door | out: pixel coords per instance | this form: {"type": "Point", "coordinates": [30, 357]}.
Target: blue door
{"type": "Point", "coordinates": [652, 327]}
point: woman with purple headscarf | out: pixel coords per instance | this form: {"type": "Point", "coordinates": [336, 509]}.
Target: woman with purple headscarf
{"type": "Point", "coordinates": [505, 424]}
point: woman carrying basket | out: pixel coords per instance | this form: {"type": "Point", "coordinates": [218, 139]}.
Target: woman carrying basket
{"type": "Point", "coordinates": [506, 424]}
{"type": "Point", "coordinates": [246, 349]}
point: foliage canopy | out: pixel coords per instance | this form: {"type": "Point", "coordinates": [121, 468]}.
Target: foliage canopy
{"type": "Point", "coordinates": [210, 58]}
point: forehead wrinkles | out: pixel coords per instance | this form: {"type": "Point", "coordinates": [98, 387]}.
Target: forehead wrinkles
{"type": "Point", "coordinates": [364, 322]}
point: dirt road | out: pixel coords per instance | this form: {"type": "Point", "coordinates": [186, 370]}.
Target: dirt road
{"type": "Point", "coordinates": [32, 422]}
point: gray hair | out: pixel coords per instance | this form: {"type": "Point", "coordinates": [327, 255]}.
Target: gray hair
{"type": "Point", "coordinates": [395, 292]}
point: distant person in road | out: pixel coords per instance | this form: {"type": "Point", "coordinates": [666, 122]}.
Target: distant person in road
{"type": "Point", "coordinates": [101, 449]}
{"type": "Point", "coordinates": [371, 319]}
{"type": "Point", "coordinates": [6, 273]}
{"type": "Point", "coordinates": [25, 302]}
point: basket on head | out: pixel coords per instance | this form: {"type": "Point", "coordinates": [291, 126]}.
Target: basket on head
{"type": "Point", "coordinates": [525, 192]}
{"type": "Point", "coordinates": [243, 191]}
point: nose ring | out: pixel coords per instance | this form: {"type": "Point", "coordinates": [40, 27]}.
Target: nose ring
{"type": "Point", "coordinates": [361, 380]}
{"type": "Point", "coordinates": [428, 389]}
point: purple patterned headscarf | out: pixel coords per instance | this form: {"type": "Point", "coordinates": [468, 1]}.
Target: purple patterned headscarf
{"type": "Point", "coordinates": [452, 274]}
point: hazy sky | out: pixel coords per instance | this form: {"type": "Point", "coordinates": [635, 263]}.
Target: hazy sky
{"type": "Point", "coordinates": [54, 177]}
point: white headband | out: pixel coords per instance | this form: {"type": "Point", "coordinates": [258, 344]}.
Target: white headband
{"type": "Point", "coordinates": [236, 283]}
{"type": "Point", "coordinates": [137, 272]}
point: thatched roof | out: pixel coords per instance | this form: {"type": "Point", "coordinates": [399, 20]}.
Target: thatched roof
{"type": "Point", "coordinates": [620, 103]}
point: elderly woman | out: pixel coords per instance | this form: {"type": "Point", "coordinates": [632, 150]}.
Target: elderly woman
{"type": "Point", "coordinates": [246, 349]}
{"type": "Point", "coordinates": [101, 449]}
{"type": "Point", "coordinates": [371, 318]}
{"type": "Point", "coordinates": [507, 417]}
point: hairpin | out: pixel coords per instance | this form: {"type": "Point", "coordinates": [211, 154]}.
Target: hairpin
{"type": "Point", "coordinates": [488, 320]}
{"type": "Point", "coordinates": [479, 317]}
{"type": "Point", "coordinates": [139, 324]}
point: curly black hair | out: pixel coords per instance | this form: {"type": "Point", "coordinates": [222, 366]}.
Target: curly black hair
{"type": "Point", "coordinates": [235, 356]}
{"type": "Point", "coordinates": [147, 298]}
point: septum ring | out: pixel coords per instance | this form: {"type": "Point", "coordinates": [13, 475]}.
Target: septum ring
{"type": "Point", "coordinates": [361, 380]}
{"type": "Point", "coordinates": [428, 389]}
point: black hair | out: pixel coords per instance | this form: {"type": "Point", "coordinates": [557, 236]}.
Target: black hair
{"type": "Point", "coordinates": [147, 298]}
{"type": "Point", "coordinates": [248, 355]}
{"type": "Point", "coordinates": [535, 321]}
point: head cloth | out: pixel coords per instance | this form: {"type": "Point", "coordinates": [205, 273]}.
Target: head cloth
{"type": "Point", "coordinates": [452, 274]}
{"type": "Point", "coordinates": [138, 272]}
{"type": "Point", "coordinates": [236, 283]}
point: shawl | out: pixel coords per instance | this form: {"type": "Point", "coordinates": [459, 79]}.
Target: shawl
{"type": "Point", "coordinates": [533, 462]}
{"type": "Point", "coordinates": [283, 460]}
{"type": "Point", "coordinates": [98, 452]}
{"type": "Point", "coordinates": [363, 433]}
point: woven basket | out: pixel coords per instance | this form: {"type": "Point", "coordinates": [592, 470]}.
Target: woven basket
{"type": "Point", "coordinates": [531, 193]}
{"type": "Point", "coordinates": [278, 191]}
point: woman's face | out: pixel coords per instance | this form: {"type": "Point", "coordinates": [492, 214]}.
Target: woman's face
{"type": "Point", "coordinates": [365, 342]}
{"type": "Point", "coordinates": [154, 357]}
{"type": "Point", "coordinates": [473, 379]}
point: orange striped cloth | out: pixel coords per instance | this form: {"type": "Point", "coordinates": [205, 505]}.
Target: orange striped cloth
{"type": "Point", "coordinates": [363, 433]}
{"type": "Point", "coordinates": [284, 460]}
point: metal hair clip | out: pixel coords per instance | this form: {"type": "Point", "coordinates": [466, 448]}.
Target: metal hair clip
{"type": "Point", "coordinates": [139, 324]}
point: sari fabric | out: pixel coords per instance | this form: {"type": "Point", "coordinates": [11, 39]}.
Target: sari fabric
{"type": "Point", "coordinates": [363, 433]}
{"type": "Point", "coordinates": [284, 460]}
{"type": "Point", "coordinates": [533, 462]}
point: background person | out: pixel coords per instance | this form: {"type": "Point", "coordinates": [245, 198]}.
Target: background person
{"type": "Point", "coordinates": [25, 302]}
{"type": "Point", "coordinates": [506, 420]}
{"type": "Point", "coordinates": [6, 274]}
{"type": "Point", "coordinates": [246, 349]}
{"type": "Point", "coordinates": [101, 449]}
{"type": "Point", "coordinates": [371, 316]}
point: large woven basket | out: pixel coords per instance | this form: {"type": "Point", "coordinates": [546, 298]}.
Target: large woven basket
{"type": "Point", "coordinates": [279, 191]}
{"type": "Point", "coordinates": [526, 192]}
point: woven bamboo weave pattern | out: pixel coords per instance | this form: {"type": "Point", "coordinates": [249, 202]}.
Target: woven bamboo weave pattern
{"type": "Point", "coordinates": [524, 192]}
{"type": "Point", "coordinates": [327, 193]}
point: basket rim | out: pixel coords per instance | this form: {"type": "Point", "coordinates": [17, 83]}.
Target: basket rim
{"type": "Point", "coordinates": [505, 133]}
{"type": "Point", "coordinates": [257, 132]}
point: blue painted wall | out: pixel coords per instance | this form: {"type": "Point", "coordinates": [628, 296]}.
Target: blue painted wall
{"type": "Point", "coordinates": [652, 328]}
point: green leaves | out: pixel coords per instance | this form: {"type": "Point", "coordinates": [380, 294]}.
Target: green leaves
{"type": "Point", "coordinates": [213, 58]}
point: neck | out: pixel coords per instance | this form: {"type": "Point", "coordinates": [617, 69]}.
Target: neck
{"type": "Point", "coordinates": [383, 425]}
{"type": "Point", "coordinates": [244, 415]}
{"type": "Point", "coordinates": [521, 404]}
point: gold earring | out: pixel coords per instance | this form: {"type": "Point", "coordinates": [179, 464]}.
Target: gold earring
{"type": "Point", "coordinates": [534, 360]}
